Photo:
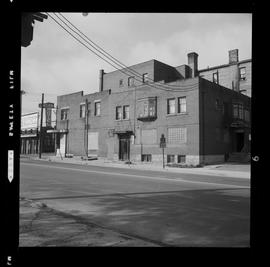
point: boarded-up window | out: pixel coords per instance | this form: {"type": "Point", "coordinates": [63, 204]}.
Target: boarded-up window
{"type": "Point", "coordinates": [177, 135]}
{"type": "Point", "coordinates": [93, 141]}
{"type": "Point", "coordinates": [149, 137]}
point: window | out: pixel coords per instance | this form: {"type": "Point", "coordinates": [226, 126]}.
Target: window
{"type": "Point", "coordinates": [170, 158]}
{"type": "Point", "coordinates": [82, 110]}
{"type": "Point", "coordinates": [97, 108]}
{"type": "Point", "coordinates": [177, 135]}
{"type": "Point", "coordinates": [145, 77]}
{"type": "Point", "coordinates": [247, 115]}
{"type": "Point", "coordinates": [131, 81]}
{"type": "Point", "coordinates": [121, 83]}
{"type": "Point", "coordinates": [171, 106]}
{"type": "Point", "coordinates": [147, 157]}
{"type": "Point", "coordinates": [182, 104]}
{"type": "Point", "coordinates": [147, 108]}
{"type": "Point", "coordinates": [181, 158]}
{"type": "Point", "coordinates": [238, 111]}
{"type": "Point", "coordinates": [118, 113]}
{"type": "Point", "coordinates": [215, 77]}
{"type": "Point", "coordinates": [149, 137]}
{"type": "Point", "coordinates": [64, 114]}
{"type": "Point", "coordinates": [243, 74]}
{"type": "Point", "coordinates": [126, 112]}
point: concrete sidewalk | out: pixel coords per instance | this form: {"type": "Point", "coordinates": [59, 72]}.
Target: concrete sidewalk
{"type": "Point", "coordinates": [224, 169]}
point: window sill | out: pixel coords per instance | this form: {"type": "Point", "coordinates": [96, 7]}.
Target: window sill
{"type": "Point", "coordinates": [177, 114]}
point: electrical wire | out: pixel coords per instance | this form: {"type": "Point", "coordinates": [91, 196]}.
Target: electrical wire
{"type": "Point", "coordinates": [191, 87]}
{"type": "Point", "coordinates": [114, 60]}
{"type": "Point", "coordinates": [119, 63]}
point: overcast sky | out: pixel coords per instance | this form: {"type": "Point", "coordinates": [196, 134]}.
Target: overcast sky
{"type": "Point", "coordinates": [56, 64]}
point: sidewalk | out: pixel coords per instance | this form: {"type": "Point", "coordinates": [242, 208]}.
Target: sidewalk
{"type": "Point", "coordinates": [224, 169]}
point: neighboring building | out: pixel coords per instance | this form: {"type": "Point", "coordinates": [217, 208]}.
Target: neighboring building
{"type": "Point", "coordinates": [235, 75]}
{"type": "Point", "coordinates": [202, 121]}
{"type": "Point", "coordinates": [30, 130]}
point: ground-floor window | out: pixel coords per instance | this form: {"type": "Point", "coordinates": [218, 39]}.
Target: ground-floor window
{"type": "Point", "coordinates": [147, 157]}
{"type": "Point", "coordinates": [181, 158]}
{"type": "Point", "coordinates": [170, 158]}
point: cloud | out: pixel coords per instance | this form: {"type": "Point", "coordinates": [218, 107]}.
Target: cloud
{"type": "Point", "coordinates": [57, 64]}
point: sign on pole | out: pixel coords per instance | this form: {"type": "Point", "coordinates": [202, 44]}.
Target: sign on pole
{"type": "Point", "coordinates": [162, 145]}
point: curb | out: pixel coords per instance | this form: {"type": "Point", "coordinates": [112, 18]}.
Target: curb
{"type": "Point", "coordinates": [200, 171]}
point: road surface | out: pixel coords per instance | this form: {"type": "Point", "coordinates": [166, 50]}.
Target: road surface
{"type": "Point", "coordinates": [167, 209]}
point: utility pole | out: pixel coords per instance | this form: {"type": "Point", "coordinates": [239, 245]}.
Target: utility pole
{"type": "Point", "coordinates": [86, 127]}
{"type": "Point", "coordinates": [40, 131]}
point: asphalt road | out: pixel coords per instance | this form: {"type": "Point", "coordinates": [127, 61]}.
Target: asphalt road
{"type": "Point", "coordinates": [165, 208]}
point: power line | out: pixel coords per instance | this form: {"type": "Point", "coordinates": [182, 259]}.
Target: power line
{"type": "Point", "coordinates": [191, 87]}
{"type": "Point", "coordinates": [119, 63]}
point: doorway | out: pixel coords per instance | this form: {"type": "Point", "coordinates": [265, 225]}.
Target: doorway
{"type": "Point", "coordinates": [240, 141]}
{"type": "Point", "coordinates": [124, 146]}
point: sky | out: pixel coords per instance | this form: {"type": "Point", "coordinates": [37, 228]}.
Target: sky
{"type": "Point", "coordinates": [56, 64]}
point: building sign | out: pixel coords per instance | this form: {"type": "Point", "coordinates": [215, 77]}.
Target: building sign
{"type": "Point", "coordinates": [29, 121]}
{"type": "Point", "coordinates": [46, 105]}
{"type": "Point", "coordinates": [162, 143]}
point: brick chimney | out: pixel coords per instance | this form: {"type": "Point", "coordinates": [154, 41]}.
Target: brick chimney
{"type": "Point", "coordinates": [101, 73]}
{"type": "Point", "coordinates": [233, 56]}
{"type": "Point", "coordinates": [193, 63]}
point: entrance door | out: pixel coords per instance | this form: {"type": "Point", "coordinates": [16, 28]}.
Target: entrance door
{"type": "Point", "coordinates": [124, 147]}
{"type": "Point", "coordinates": [240, 140]}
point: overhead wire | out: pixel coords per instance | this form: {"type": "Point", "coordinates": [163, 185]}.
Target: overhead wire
{"type": "Point", "coordinates": [119, 63]}
{"type": "Point", "coordinates": [191, 87]}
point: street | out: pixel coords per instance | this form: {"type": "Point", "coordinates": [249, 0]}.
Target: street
{"type": "Point", "coordinates": [165, 209]}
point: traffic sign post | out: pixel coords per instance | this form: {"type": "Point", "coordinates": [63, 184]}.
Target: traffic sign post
{"type": "Point", "coordinates": [162, 144]}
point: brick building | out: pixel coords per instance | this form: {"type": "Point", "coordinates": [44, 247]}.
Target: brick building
{"type": "Point", "coordinates": [235, 75]}
{"type": "Point", "coordinates": [202, 121]}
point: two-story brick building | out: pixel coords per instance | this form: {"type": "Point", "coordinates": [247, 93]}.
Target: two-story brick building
{"type": "Point", "coordinates": [202, 121]}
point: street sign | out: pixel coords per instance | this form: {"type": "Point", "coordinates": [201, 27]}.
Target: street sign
{"type": "Point", "coordinates": [162, 143]}
{"type": "Point", "coordinates": [46, 105]}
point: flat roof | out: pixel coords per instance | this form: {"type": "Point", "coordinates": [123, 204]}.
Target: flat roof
{"type": "Point", "coordinates": [225, 65]}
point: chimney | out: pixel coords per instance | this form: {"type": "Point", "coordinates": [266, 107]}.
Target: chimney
{"type": "Point", "coordinates": [193, 63]}
{"type": "Point", "coordinates": [101, 73]}
{"type": "Point", "coordinates": [233, 56]}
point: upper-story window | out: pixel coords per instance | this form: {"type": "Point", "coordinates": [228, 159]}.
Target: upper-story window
{"type": "Point", "coordinates": [238, 111]}
{"type": "Point", "coordinates": [182, 104]}
{"type": "Point", "coordinates": [82, 110]}
{"type": "Point", "coordinates": [97, 108]}
{"type": "Point", "coordinates": [145, 77]}
{"type": "Point", "coordinates": [171, 106]}
{"type": "Point", "coordinates": [121, 82]}
{"type": "Point", "coordinates": [126, 112]}
{"type": "Point", "coordinates": [118, 113]}
{"type": "Point", "coordinates": [146, 108]}
{"type": "Point", "coordinates": [215, 77]}
{"type": "Point", "coordinates": [242, 73]}
{"type": "Point", "coordinates": [130, 81]}
{"type": "Point", "coordinates": [64, 114]}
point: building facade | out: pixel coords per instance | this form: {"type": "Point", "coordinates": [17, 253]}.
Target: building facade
{"type": "Point", "coordinates": [202, 121]}
{"type": "Point", "coordinates": [30, 131]}
{"type": "Point", "coordinates": [235, 75]}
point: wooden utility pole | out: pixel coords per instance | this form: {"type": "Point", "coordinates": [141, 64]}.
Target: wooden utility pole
{"type": "Point", "coordinates": [86, 127]}
{"type": "Point", "coordinates": [40, 130]}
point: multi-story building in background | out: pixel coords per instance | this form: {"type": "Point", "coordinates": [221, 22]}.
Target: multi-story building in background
{"type": "Point", "coordinates": [235, 75]}
{"type": "Point", "coordinates": [202, 121]}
